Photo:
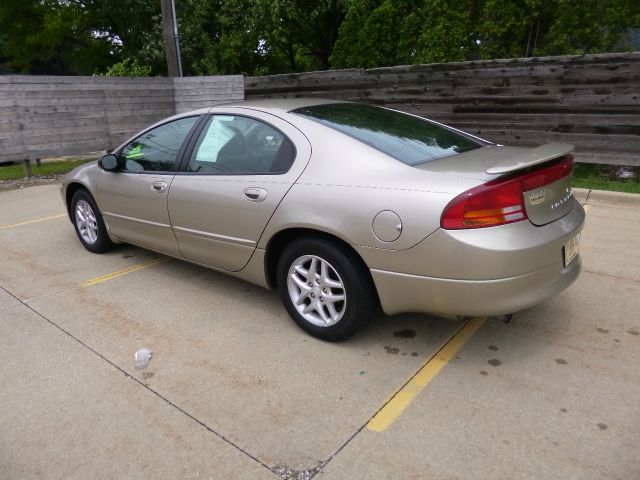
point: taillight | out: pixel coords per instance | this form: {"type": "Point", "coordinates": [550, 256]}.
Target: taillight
{"type": "Point", "coordinates": [486, 206]}
{"type": "Point", "coordinates": [500, 201]}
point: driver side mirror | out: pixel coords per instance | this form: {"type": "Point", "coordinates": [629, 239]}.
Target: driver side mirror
{"type": "Point", "coordinates": [109, 162]}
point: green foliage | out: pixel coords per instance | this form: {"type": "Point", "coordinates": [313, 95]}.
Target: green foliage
{"type": "Point", "coordinates": [256, 37]}
{"type": "Point", "coordinates": [222, 37]}
{"type": "Point", "coordinates": [449, 32]}
{"type": "Point", "coordinates": [378, 33]}
{"type": "Point", "coordinates": [384, 32]}
{"type": "Point", "coordinates": [128, 68]}
{"type": "Point", "coordinates": [595, 27]}
{"type": "Point", "coordinates": [308, 28]}
{"type": "Point", "coordinates": [130, 28]}
{"type": "Point", "coordinates": [522, 28]}
{"type": "Point", "coordinates": [48, 36]}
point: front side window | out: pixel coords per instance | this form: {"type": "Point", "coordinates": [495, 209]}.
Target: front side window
{"type": "Point", "coordinates": [231, 144]}
{"type": "Point", "coordinates": [410, 139]}
{"type": "Point", "coordinates": [157, 150]}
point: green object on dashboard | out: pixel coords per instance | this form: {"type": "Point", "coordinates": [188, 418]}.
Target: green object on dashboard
{"type": "Point", "coordinates": [135, 152]}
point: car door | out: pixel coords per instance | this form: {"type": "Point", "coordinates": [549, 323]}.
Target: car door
{"type": "Point", "coordinates": [133, 199]}
{"type": "Point", "coordinates": [233, 176]}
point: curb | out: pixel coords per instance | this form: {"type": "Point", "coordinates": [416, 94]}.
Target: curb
{"type": "Point", "coordinates": [606, 197]}
{"type": "Point", "coordinates": [581, 194]}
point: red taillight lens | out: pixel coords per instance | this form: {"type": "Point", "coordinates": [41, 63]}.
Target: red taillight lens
{"type": "Point", "coordinates": [547, 175]}
{"type": "Point", "coordinates": [486, 206]}
{"type": "Point", "coordinates": [500, 201]}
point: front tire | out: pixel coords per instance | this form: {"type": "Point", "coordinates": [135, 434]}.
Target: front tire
{"type": "Point", "coordinates": [325, 288]}
{"type": "Point", "coordinates": [89, 224]}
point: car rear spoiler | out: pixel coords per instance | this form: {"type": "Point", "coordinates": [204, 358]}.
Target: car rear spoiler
{"type": "Point", "coordinates": [532, 157]}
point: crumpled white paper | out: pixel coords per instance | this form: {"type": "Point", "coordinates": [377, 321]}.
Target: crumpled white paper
{"type": "Point", "coordinates": [142, 358]}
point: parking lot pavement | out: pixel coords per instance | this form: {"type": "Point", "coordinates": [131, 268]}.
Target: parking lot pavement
{"type": "Point", "coordinates": [68, 413]}
{"type": "Point", "coordinates": [22, 205]}
{"type": "Point", "coordinates": [235, 390]}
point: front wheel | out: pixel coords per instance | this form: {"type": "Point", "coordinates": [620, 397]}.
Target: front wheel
{"type": "Point", "coordinates": [89, 224]}
{"type": "Point", "coordinates": [325, 288]}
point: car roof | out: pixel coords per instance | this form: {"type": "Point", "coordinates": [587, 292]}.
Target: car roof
{"type": "Point", "coordinates": [281, 105]}
{"type": "Point", "coordinates": [269, 105]}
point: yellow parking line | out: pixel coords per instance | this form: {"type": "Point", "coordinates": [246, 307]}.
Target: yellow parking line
{"type": "Point", "coordinates": [410, 390]}
{"type": "Point", "coordinates": [41, 219]}
{"type": "Point", "coordinates": [586, 208]}
{"type": "Point", "coordinates": [124, 271]}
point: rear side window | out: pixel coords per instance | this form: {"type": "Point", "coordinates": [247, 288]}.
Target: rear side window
{"type": "Point", "coordinates": [236, 145]}
{"type": "Point", "coordinates": [410, 139]}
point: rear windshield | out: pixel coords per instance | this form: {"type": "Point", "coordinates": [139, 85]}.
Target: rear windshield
{"type": "Point", "coordinates": [410, 139]}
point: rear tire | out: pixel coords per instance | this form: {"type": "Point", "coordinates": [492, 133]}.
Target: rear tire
{"type": "Point", "coordinates": [89, 224]}
{"type": "Point", "coordinates": [325, 288]}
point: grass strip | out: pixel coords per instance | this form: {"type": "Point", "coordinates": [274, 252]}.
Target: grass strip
{"type": "Point", "coordinates": [606, 177]}
{"type": "Point", "coordinates": [15, 172]}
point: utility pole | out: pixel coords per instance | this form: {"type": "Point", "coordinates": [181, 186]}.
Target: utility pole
{"type": "Point", "coordinates": [171, 40]}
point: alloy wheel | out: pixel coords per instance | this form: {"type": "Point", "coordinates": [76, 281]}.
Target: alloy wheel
{"type": "Point", "coordinates": [316, 290]}
{"type": "Point", "coordinates": [86, 222]}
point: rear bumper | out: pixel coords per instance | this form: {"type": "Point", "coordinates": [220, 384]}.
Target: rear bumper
{"type": "Point", "coordinates": [400, 292]}
{"type": "Point", "coordinates": [485, 271]}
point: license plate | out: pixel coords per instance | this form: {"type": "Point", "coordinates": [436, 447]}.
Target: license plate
{"type": "Point", "coordinates": [570, 250]}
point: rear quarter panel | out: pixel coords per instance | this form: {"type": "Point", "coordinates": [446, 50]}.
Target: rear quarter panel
{"type": "Point", "coordinates": [347, 183]}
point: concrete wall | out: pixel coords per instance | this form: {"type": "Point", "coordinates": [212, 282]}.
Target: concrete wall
{"type": "Point", "coordinates": [591, 101]}
{"type": "Point", "coordinates": [196, 92]}
{"type": "Point", "coordinates": [46, 115]}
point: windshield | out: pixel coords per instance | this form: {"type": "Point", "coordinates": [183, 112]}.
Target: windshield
{"type": "Point", "coordinates": [412, 140]}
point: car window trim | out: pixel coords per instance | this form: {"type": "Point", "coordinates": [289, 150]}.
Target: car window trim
{"type": "Point", "coordinates": [181, 150]}
{"type": "Point", "coordinates": [184, 163]}
{"type": "Point", "coordinates": [188, 148]}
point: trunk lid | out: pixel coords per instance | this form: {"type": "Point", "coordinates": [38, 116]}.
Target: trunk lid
{"type": "Point", "coordinates": [546, 172]}
{"type": "Point", "coordinates": [551, 197]}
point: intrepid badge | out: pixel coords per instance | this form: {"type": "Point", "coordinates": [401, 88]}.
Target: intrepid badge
{"type": "Point", "coordinates": [568, 194]}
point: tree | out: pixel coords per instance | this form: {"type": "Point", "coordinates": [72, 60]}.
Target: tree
{"type": "Point", "coordinates": [523, 28]}
{"type": "Point", "coordinates": [78, 36]}
{"type": "Point", "coordinates": [306, 30]}
{"type": "Point", "coordinates": [49, 36]}
{"type": "Point", "coordinates": [379, 33]}
{"type": "Point", "coordinates": [592, 26]}
{"type": "Point", "coordinates": [223, 37]}
{"type": "Point", "coordinates": [384, 32]}
{"type": "Point", "coordinates": [256, 37]}
{"type": "Point", "coordinates": [128, 68]}
{"type": "Point", "coordinates": [449, 32]}
{"type": "Point", "coordinates": [131, 29]}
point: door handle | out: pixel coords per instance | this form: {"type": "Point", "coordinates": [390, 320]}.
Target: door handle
{"type": "Point", "coordinates": [255, 194]}
{"type": "Point", "coordinates": [159, 187]}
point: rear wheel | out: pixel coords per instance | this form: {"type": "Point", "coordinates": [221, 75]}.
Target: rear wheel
{"type": "Point", "coordinates": [89, 224]}
{"type": "Point", "coordinates": [325, 289]}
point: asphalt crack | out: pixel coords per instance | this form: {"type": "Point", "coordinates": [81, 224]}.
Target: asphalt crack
{"type": "Point", "coordinates": [610, 275]}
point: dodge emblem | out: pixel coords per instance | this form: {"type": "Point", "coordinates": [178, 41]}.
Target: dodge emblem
{"type": "Point", "coordinates": [537, 197]}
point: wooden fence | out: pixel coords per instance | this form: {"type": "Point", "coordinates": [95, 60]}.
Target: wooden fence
{"type": "Point", "coordinates": [591, 101]}
{"type": "Point", "coordinates": [44, 115]}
